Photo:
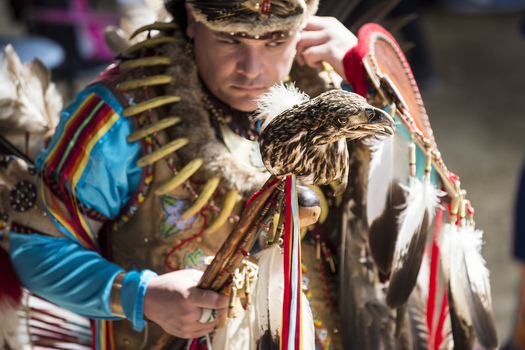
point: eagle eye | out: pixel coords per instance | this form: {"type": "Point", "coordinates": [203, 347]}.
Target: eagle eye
{"type": "Point", "coordinates": [341, 121]}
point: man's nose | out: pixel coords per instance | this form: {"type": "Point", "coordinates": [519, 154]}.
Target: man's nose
{"type": "Point", "coordinates": [250, 63]}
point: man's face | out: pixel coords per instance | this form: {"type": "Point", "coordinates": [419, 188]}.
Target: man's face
{"type": "Point", "coordinates": [237, 70]}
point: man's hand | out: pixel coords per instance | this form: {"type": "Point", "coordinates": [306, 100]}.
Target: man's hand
{"type": "Point", "coordinates": [174, 302]}
{"type": "Point", "coordinates": [325, 39]}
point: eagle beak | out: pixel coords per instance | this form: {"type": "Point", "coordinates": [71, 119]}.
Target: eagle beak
{"type": "Point", "coordinates": [379, 122]}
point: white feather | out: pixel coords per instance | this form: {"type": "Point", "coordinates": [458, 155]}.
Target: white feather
{"type": "Point", "coordinates": [308, 324]}
{"type": "Point", "coordinates": [451, 248]}
{"type": "Point", "coordinates": [237, 333]}
{"type": "Point", "coordinates": [423, 278]}
{"type": "Point", "coordinates": [476, 287]}
{"type": "Point", "coordinates": [7, 88]}
{"type": "Point", "coordinates": [266, 311]}
{"type": "Point", "coordinates": [376, 144]}
{"type": "Point", "coordinates": [278, 99]}
{"type": "Point", "coordinates": [386, 153]}
{"type": "Point", "coordinates": [471, 242]}
{"type": "Point", "coordinates": [463, 263]}
{"type": "Point", "coordinates": [422, 196]}
{"type": "Point", "coordinates": [269, 291]}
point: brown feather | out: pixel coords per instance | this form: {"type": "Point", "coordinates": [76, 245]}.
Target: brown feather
{"type": "Point", "coordinates": [462, 331]}
{"type": "Point", "coordinates": [403, 280]}
{"type": "Point", "coordinates": [384, 229]}
{"type": "Point", "coordinates": [417, 316]}
{"type": "Point", "coordinates": [366, 322]}
{"type": "Point", "coordinates": [481, 314]}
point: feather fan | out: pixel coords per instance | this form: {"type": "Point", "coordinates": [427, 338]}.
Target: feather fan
{"type": "Point", "coordinates": [414, 221]}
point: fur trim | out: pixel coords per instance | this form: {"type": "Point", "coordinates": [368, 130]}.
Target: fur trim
{"type": "Point", "coordinates": [218, 161]}
{"type": "Point", "coordinates": [285, 16]}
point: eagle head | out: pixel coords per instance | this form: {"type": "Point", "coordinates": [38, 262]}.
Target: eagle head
{"type": "Point", "coordinates": [307, 138]}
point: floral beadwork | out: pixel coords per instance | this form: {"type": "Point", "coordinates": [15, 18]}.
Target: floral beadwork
{"type": "Point", "coordinates": [171, 223]}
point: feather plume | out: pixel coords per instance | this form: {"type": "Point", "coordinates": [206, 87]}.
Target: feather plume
{"type": "Point", "coordinates": [137, 15]}
{"type": "Point", "coordinates": [34, 104]}
{"type": "Point", "coordinates": [116, 39]}
{"type": "Point", "coordinates": [414, 221]}
{"type": "Point", "coordinates": [158, 8]}
{"type": "Point", "coordinates": [280, 98]}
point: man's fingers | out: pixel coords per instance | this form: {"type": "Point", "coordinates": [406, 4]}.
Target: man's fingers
{"type": "Point", "coordinates": [209, 299]}
{"type": "Point", "coordinates": [314, 56]}
{"type": "Point", "coordinates": [307, 41]}
{"type": "Point", "coordinates": [311, 39]}
{"type": "Point", "coordinates": [196, 331]}
{"type": "Point", "coordinates": [315, 23]}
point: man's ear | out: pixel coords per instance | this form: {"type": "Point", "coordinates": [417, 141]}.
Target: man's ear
{"type": "Point", "coordinates": [190, 28]}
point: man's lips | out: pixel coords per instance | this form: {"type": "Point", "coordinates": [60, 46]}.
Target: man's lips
{"type": "Point", "coordinates": [250, 89]}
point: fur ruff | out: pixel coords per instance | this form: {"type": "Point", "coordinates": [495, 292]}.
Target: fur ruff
{"type": "Point", "coordinates": [218, 161]}
{"type": "Point", "coordinates": [195, 125]}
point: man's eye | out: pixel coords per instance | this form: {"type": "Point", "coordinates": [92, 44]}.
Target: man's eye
{"type": "Point", "coordinates": [229, 41]}
{"type": "Point", "coordinates": [275, 43]}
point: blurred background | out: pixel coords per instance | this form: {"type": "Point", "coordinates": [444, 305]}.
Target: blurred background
{"type": "Point", "coordinates": [468, 57]}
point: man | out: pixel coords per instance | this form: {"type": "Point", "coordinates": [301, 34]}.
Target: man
{"type": "Point", "coordinates": [123, 244]}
